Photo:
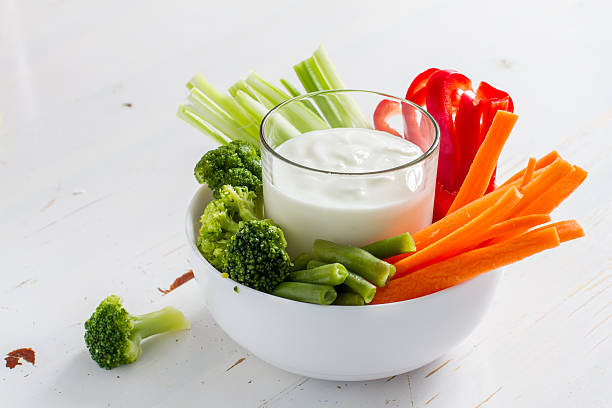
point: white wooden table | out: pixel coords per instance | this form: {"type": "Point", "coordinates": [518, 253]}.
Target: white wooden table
{"type": "Point", "coordinates": [96, 173]}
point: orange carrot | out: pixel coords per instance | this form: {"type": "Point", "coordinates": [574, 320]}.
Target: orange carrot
{"type": "Point", "coordinates": [452, 221]}
{"type": "Point", "coordinates": [512, 227]}
{"type": "Point", "coordinates": [466, 266]}
{"type": "Point", "coordinates": [555, 195]}
{"type": "Point", "coordinates": [477, 180]}
{"type": "Point", "coordinates": [567, 230]}
{"type": "Point", "coordinates": [538, 186]}
{"type": "Point", "coordinates": [460, 239]}
{"type": "Point", "coordinates": [528, 172]}
{"type": "Point", "coordinates": [540, 163]}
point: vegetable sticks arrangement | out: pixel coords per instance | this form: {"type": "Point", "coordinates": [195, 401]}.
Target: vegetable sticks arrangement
{"type": "Point", "coordinates": [484, 232]}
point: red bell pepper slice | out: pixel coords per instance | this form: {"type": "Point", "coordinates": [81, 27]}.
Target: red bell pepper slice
{"type": "Point", "coordinates": [385, 110]}
{"type": "Point", "coordinates": [418, 88]}
{"type": "Point", "coordinates": [467, 126]}
{"type": "Point", "coordinates": [444, 90]}
{"type": "Point", "coordinates": [464, 117]}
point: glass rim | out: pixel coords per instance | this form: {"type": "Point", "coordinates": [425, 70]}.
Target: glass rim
{"type": "Point", "coordinates": [432, 148]}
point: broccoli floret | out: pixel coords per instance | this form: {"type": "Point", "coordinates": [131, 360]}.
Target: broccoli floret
{"type": "Point", "coordinates": [236, 164]}
{"type": "Point", "coordinates": [113, 336]}
{"type": "Point", "coordinates": [221, 220]}
{"type": "Point", "coordinates": [212, 246]}
{"type": "Point", "coordinates": [256, 255]}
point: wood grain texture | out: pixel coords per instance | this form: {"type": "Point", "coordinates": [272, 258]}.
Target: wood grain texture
{"type": "Point", "coordinates": [96, 174]}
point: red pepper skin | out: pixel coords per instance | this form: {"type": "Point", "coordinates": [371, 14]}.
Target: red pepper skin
{"type": "Point", "coordinates": [443, 94]}
{"type": "Point", "coordinates": [442, 201]}
{"type": "Point", "coordinates": [467, 126]}
{"type": "Point", "coordinates": [417, 93]}
{"type": "Point", "coordinates": [386, 109]}
{"type": "Point", "coordinates": [419, 86]}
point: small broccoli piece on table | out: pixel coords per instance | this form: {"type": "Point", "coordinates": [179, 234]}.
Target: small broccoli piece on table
{"type": "Point", "coordinates": [256, 255]}
{"type": "Point", "coordinates": [236, 164]}
{"type": "Point", "coordinates": [221, 219]}
{"type": "Point", "coordinates": [113, 336]}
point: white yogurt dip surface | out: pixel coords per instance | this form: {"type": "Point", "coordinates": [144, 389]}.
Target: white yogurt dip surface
{"type": "Point", "coordinates": [351, 209]}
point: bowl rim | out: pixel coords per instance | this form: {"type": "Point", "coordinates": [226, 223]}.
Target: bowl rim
{"type": "Point", "coordinates": [189, 222]}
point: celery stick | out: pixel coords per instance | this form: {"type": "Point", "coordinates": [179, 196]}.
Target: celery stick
{"type": "Point", "coordinates": [299, 115]}
{"type": "Point", "coordinates": [253, 107]}
{"type": "Point", "coordinates": [219, 119]}
{"type": "Point", "coordinates": [296, 92]}
{"type": "Point", "coordinates": [328, 69]}
{"type": "Point", "coordinates": [313, 81]}
{"type": "Point", "coordinates": [268, 90]}
{"type": "Point", "coordinates": [283, 129]}
{"type": "Point", "coordinates": [190, 116]}
{"type": "Point", "coordinates": [293, 91]}
{"type": "Point", "coordinates": [241, 85]}
{"type": "Point", "coordinates": [225, 103]}
{"type": "Point", "coordinates": [353, 111]}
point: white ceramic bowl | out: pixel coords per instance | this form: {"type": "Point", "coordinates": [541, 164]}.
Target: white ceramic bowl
{"type": "Point", "coordinates": [339, 342]}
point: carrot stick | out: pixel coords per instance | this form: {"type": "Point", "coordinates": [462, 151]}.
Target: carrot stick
{"type": "Point", "coordinates": [477, 180]}
{"type": "Point", "coordinates": [452, 221]}
{"type": "Point", "coordinates": [528, 172]}
{"type": "Point", "coordinates": [555, 195]}
{"type": "Point", "coordinates": [540, 163]}
{"type": "Point", "coordinates": [538, 186]}
{"type": "Point", "coordinates": [460, 239]}
{"type": "Point", "coordinates": [466, 266]}
{"type": "Point", "coordinates": [567, 230]}
{"type": "Point", "coordinates": [513, 227]}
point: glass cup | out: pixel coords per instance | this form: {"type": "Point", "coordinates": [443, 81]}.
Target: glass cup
{"type": "Point", "coordinates": [357, 207]}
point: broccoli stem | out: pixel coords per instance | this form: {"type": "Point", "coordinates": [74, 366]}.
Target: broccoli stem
{"type": "Point", "coordinates": [300, 262]}
{"type": "Point", "coordinates": [332, 274]}
{"type": "Point", "coordinates": [306, 292]}
{"type": "Point", "coordinates": [164, 320]}
{"type": "Point", "coordinates": [352, 282]}
{"type": "Point", "coordinates": [349, 299]}
{"type": "Point", "coordinates": [386, 248]}
{"type": "Point", "coordinates": [356, 260]}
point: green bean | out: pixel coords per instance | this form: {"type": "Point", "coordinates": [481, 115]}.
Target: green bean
{"type": "Point", "coordinates": [300, 262]}
{"type": "Point", "coordinates": [349, 299]}
{"type": "Point", "coordinates": [360, 286]}
{"type": "Point", "coordinates": [313, 263]}
{"type": "Point", "coordinates": [386, 248]}
{"type": "Point", "coordinates": [331, 274]}
{"type": "Point", "coordinates": [306, 292]}
{"type": "Point", "coordinates": [356, 260]}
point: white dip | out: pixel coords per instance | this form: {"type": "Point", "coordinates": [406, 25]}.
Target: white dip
{"type": "Point", "coordinates": [350, 209]}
